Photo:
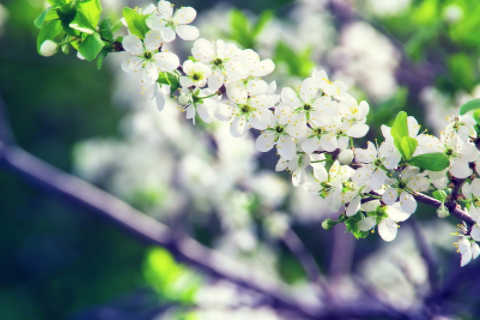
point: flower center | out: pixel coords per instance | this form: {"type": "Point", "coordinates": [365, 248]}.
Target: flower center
{"type": "Point", "coordinates": [402, 184]}
{"type": "Point", "coordinates": [279, 129]}
{"type": "Point", "coordinates": [377, 162]}
{"type": "Point", "coordinates": [318, 131]}
{"type": "Point", "coordinates": [307, 107]}
{"type": "Point", "coordinates": [245, 108]}
{"type": "Point", "coordinates": [148, 55]}
{"type": "Point", "coordinates": [449, 152]}
{"type": "Point", "coordinates": [217, 62]}
{"type": "Point", "coordinates": [197, 76]}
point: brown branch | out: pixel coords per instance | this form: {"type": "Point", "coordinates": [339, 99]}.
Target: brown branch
{"type": "Point", "coordinates": [454, 210]}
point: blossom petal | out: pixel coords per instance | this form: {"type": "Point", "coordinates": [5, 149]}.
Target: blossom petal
{"type": "Point", "coordinates": [133, 45]}
{"type": "Point", "coordinates": [390, 196]}
{"type": "Point", "coordinates": [387, 229]}
{"type": "Point", "coordinates": [367, 224]}
{"type": "Point", "coordinates": [286, 147]}
{"type": "Point", "coordinates": [153, 39]}
{"type": "Point", "coordinates": [353, 206]}
{"type": "Point", "coordinates": [265, 141]}
{"type": "Point", "coordinates": [188, 33]}
{"type": "Point", "coordinates": [184, 15]}
{"type": "Point", "coordinates": [407, 202]}
{"type": "Point", "coordinates": [168, 34]}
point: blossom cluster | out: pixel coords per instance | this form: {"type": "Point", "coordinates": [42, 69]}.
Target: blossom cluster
{"type": "Point", "coordinates": [312, 127]}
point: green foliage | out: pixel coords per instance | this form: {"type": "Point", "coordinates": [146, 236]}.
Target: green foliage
{"type": "Point", "coordinates": [352, 226]}
{"type": "Point", "coordinates": [408, 146]}
{"type": "Point", "coordinates": [243, 31]}
{"type": "Point", "coordinates": [91, 10]}
{"type": "Point", "coordinates": [91, 46]}
{"type": "Point", "coordinates": [469, 106]}
{"type": "Point", "coordinates": [399, 131]}
{"type": "Point", "coordinates": [105, 30]}
{"type": "Point", "coordinates": [47, 15]}
{"type": "Point", "coordinates": [49, 31]}
{"type": "Point", "coordinates": [171, 79]}
{"type": "Point", "coordinates": [436, 161]}
{"type": "Point", "coordinates": [440, 195]}
{"type": "Point", "coordinates": [171, 280]}
{"type": "Point", "coordinates": [298, 63]}
{"type": "Point", "coordinates": [136, 22]}
{"type": "Point", "coordinates": [462, 68]}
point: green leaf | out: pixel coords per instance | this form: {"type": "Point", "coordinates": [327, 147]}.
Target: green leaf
{"type": "Point", "coordinates": [240, 26]}
{"type": "Point", "coordinates": [436, 161]}
{"type": "Point", "coordinates": [192, 59]}
{"type": "Point", "coordinates": [169, 79]}
{"type": "Point", "coordinates": [298, 64]}
{"type": "Point", "coordinates": [439, 195]}
{"type": "Point", "coordinates": [462, 70]}
{"type": "Point", "coordinates": [82, 24]}
{"type": "Point", "coordinates": [41, 18]}
{"type": "Point", "coordinates": [469, 106]}
{"type": "Point", "coordinates": [476, 115]}
{"type": "Point", "coordinates": [262, 21]}
{"type": "Point", "coordinates": [49, 31]}
{"type": "Point", "coordinates": [56, 2]}
{"type": "Point", "coordinates": [66, 19]}
{"type": "Point", "coordinates": [136, 22]}
{"type": "Point", "coordinates": [408, 146]}
{"type": "Point", "coordinates": [399, 129]}
{"type": "Point", "coordinates": [101, 58]}
{"type": "Point", "coordinates": [66, 49]}
{"type": "Point", "coordinates": [91, 10]}
{"type": "Point", "coordinates": [91, 46]}
{"type": "Point", "coordinates": [105, 30]}
{"type": "Point", "coordinates": [352, 226]}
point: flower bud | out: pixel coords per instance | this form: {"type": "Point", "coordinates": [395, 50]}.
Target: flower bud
{"type": "Point", "coordinates": [328, 224]}
{"type": "Point", "coordinates": [48, 48]}
{"type": "Point", "coordinates": [346, 156]}
{"type": "Point", "coordinates": [183, 99]}
{"type": "Point", "coordinates": [442, 212]}
{"type": "Point", "coordinates": [453, 13]}
{"type": "Point", "coordinates": [80, 56]}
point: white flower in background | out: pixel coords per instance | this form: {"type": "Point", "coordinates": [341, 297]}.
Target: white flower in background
{"type": "Point", "coordinates": [335, 89]}
{"type": "Point", "coordinates": [196, 74]}
{"type": "Point", "coordinates": [220, 57]}
{"type": "Point", "coordinates": [296, 166]}
{"type": "Point", "coordinates": [468, 249]}
{"type": "Point", "coordinates": [330, 185]}
{"type": "Point", "coordinates": [458, 152]}
{"type": "Point", "coordinates": [244, 111]}
{"type": "Point", "coordinates": [170, 24]}
{"type": "Point", "coordinates": [375, 162]}
{"type": "Point", "coordinates": [388, 227]}
{"type": "Point", "coordinates": [146, 58]}
{"type": "Point", "coordinates": [409, 182]}
{"type": "Point", "coordinates": [283, 132]}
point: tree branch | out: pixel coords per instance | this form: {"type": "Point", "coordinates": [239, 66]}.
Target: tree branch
{"type": "Point", "coordinates": [454, 211]}
{"type": "Point", "coordinates": [183, 248]}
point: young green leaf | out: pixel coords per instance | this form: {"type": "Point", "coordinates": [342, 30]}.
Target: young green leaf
{"type": "Point", "coordinates": [240, 26]}
{"type": "Point", "coordinates": [436, 161]}
{"type": "Point", "coordinates": [91, 46]}
{"type": "Point", "coordinates": [82, 23]}
{"type": "Point", "coordinates": [262, 21]}
{"type": "Point", "coordinates": [105, 30]}
{"type": "Point", "coordinates": [49, 31]}
{"type": "Point", "coordinates": [42, 18]}
{"type": "Point", "coordinates": [101, 58]}
{"type": "Point", "coordinates": [169, 79]}
{"type": "Point", "coordinates": [439, 195]}
{"type": "Point", "coordinates": [399, 129]}
{"type": "Point", "coordinates": [91, 10]}
{"type": "Point", "coordinates": [408, 146]}
{"type": "Point", "coordinates": [136, 22]}
{"type": "Point", "coordinates": [469, 106]}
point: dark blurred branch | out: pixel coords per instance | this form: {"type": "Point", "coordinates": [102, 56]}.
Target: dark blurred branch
{"type": "Point", "coordinates": [427, 255]}
{"type": "Point", "coordinates": [6, 134]}
{"type": "Point", "coordinates": [314, 275]}
{"type": "Point", "coordinates": [183, 248]}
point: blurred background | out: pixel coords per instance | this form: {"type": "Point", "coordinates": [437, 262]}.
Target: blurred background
{"type": "Point", "coordinates": [57, 261]}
